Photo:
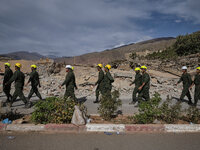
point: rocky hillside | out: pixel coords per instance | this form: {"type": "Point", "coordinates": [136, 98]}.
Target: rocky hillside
{"type": "Point", "coordinates": [23, 55]}
{"type": "Point", "coordinates": [120, 53]}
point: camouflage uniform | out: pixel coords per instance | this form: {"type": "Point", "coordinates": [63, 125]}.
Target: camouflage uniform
{"type": "Point", "coordinates": [70, 85]}
{"type": "Point", "coordinates": [138, 83]}
{"type": "Point", "coordinates": [107, 84]}
{"type": "Point", "coordinates": [197, 88]}
{"type": "Point", "coordinates": [99, 84]}
{"type": "Point", "coordinates": [19, 78]}
{"type": "Point", "coordinates": [144, 93]}
{"type": "Point", "coordinates": [34, 79]}
{"type": "Point", "coordinates": [187, 81]}
{"type": "Point", "coordinates": [6, 88]}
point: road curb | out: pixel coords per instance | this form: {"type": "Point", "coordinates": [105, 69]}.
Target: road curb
{"type": "Point", "coordinates": [145, 128]}
{"type": "Point", "coordinates": [24, 127]}
{"type": "Point", "coordinates": [2, 127]}
{"type": "Point", "coordinates": [64, 127]}
{"type": "Point", "coordinates": [105, 128]}
{"type": "Point", "coordinates": [182, 128]}
{"type": "Point", "coordinates": [88, 128]}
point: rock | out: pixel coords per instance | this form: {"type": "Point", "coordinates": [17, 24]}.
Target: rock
{"type": "Point", "coordinates": [123, 75]}
{"type": "Point", "coordinates": [156, 121]}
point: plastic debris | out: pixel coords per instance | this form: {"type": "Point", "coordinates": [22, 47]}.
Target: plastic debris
{"type": "Point", "coordinates": [6, 121]}
{"type": "Point", "coordinates": [11, 137]}
{"type": "Point", "coordinates": [77, 117]}
{"type": "Point", "coordinates": [107, 133]}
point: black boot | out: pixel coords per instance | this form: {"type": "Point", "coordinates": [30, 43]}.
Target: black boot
{"type": "Point", "coordinates": [190, 102]}
{"type": "Point", "coordinates": [96, 101]}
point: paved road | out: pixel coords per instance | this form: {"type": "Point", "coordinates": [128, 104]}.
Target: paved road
{"type": "Point", "coordinates": [61, 141]}
{"type": "Point", "coordinates": [92, 108]}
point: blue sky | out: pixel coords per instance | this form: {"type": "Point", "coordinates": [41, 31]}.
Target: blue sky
{"type": "Point", "coordinates": [74, 27]}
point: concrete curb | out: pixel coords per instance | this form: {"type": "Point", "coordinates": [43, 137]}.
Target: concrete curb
{"type": "Point", "coordinates": [88, 128]}
{"type": "Point", "coordinates": [105, 127]}
{"type": "Point", "coordinates": [65, 127]}
{"type": "Point", "coordinates": [24, 127]}
{"type": "Point", "coordinates": [145, 128]}
{"type": "Point", "coordinates": [2, 127]}
{"type": "Point", "coordinates": [182, 128]}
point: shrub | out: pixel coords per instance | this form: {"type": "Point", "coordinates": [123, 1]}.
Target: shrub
{"type": "Point", "coordinates": [53, 110]}
{"type": "Point", "coordinates": [193, 114]}
{"type": "Point", "coordinates": [148, 110]}
{"type": "Point", "coordinates": [108, 105]}
{"type": "Point", "coordinates": [170, 113]}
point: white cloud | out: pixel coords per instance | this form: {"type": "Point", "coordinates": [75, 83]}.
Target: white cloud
{"type": "Point", "coordinates": [75, 27]}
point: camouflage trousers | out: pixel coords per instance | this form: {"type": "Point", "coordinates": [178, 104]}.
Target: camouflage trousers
{"type": "Point", "coordinates": [144, 93]}
{"type": "Point", "coordinates": [19, 92]}
{"type": "Point", "coordinates": [197, 94]}
{"type": "Point", "coordinates": [34, 90]}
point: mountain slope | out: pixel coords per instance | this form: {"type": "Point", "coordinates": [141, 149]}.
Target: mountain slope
{"type": "Point", "coordinates": [120, 52]}
{"type": "Point", "coordinates": [23, 55]}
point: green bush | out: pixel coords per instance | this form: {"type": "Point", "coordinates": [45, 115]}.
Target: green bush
{"type": "Point", "coordinates": [170, 113]}
{"type": "Point", "coordinates": [109, 105]}
{"type": "Point", "coordinates": [184, 45]}
{"type": "Point", "coordinates": [188, 44]}
{"type": "Point", "coordinates": [193, 114]}
{"type": "Point", "coordinates": [148, 110]}
{"type": "Point", "coordinates": [53, 110]}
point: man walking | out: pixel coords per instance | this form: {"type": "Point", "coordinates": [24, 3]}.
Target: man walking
{"type": "Point", "coordinates": [138, 83]}
{"type": "Point", "coordinates": [196, 82]}
{"type": "Point", "coordinates": [69, 83]}
{"type": "Point", "coordinates": [7, 75]}
{"type": "Point", "coordinates": [19, 78]}
{"type": "Point", "coordinates": [144, 88]}
{"type": "Point", "coordinates": [107, 81]}
{"type": "Point", "coordinates": [99, 82]}
{"type": "Point", "coordinates": [187, 81]}
{"type": "Point", "coordinates": [35, 82]}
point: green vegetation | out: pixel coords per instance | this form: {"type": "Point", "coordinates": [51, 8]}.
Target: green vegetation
{"type": "Point", "coordinates": [148, 110]}
{"type": "Point", "coordinates": [108, 105]}
{"type": "Point", "coordinates": [184, 45]}
{"type": "Point", "coordinates": [53, 110]}
{"type": "Point", "coordinates": [193, 115]}
{"type": "Point", "coordinates": [167, 112]}
{"type": "Point", "coordinates": [170, 113]}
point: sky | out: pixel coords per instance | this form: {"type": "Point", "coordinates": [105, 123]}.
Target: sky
{"type": "Point", "coordinates": [75, 27]}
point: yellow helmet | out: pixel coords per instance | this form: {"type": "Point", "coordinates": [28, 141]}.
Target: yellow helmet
{"type": "Point", "coordinates": [100, 65]}
{"type": "Point", "coordinates": [72, 68]}
{"type": "Point", "coordinates": [137, 69]}
{"type": "Point", "coordinates": [198, 68]}
{"type": "Point", "coordinates": [108, 66]}
{"type": "Point", "coordinates": [7, 64]}
{"type": "Point", "coordinates": [33, 66]}
{"type": "Point", "coordinates": [18, 65]}
{"type": "Point", "coordinates": [143, 67]}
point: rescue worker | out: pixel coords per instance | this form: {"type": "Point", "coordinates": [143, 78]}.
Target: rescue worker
{"type": "Point", "coordinates": [138, 83]}
{"type": "Point", "coordinates": [107, 81]}
{"type": "Point", "coordinates": [75, 79]}
{"type": "Point", "coordinates": [19, 78]}
{"type": "Point", "coordinates": [99, 82]}
{"type": "Point", "coordinates": [6, 88]}
{"type": "Point", "coordinates": [187, 81]}
{"type": "Point", "coordinates": [196, 82]}
{"type": "Point", "coordinates": [69, 83]}
{"type": "Point", "coordinates": [35, 82]}
{"type": "Point", "coordinates": [145, 87]}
